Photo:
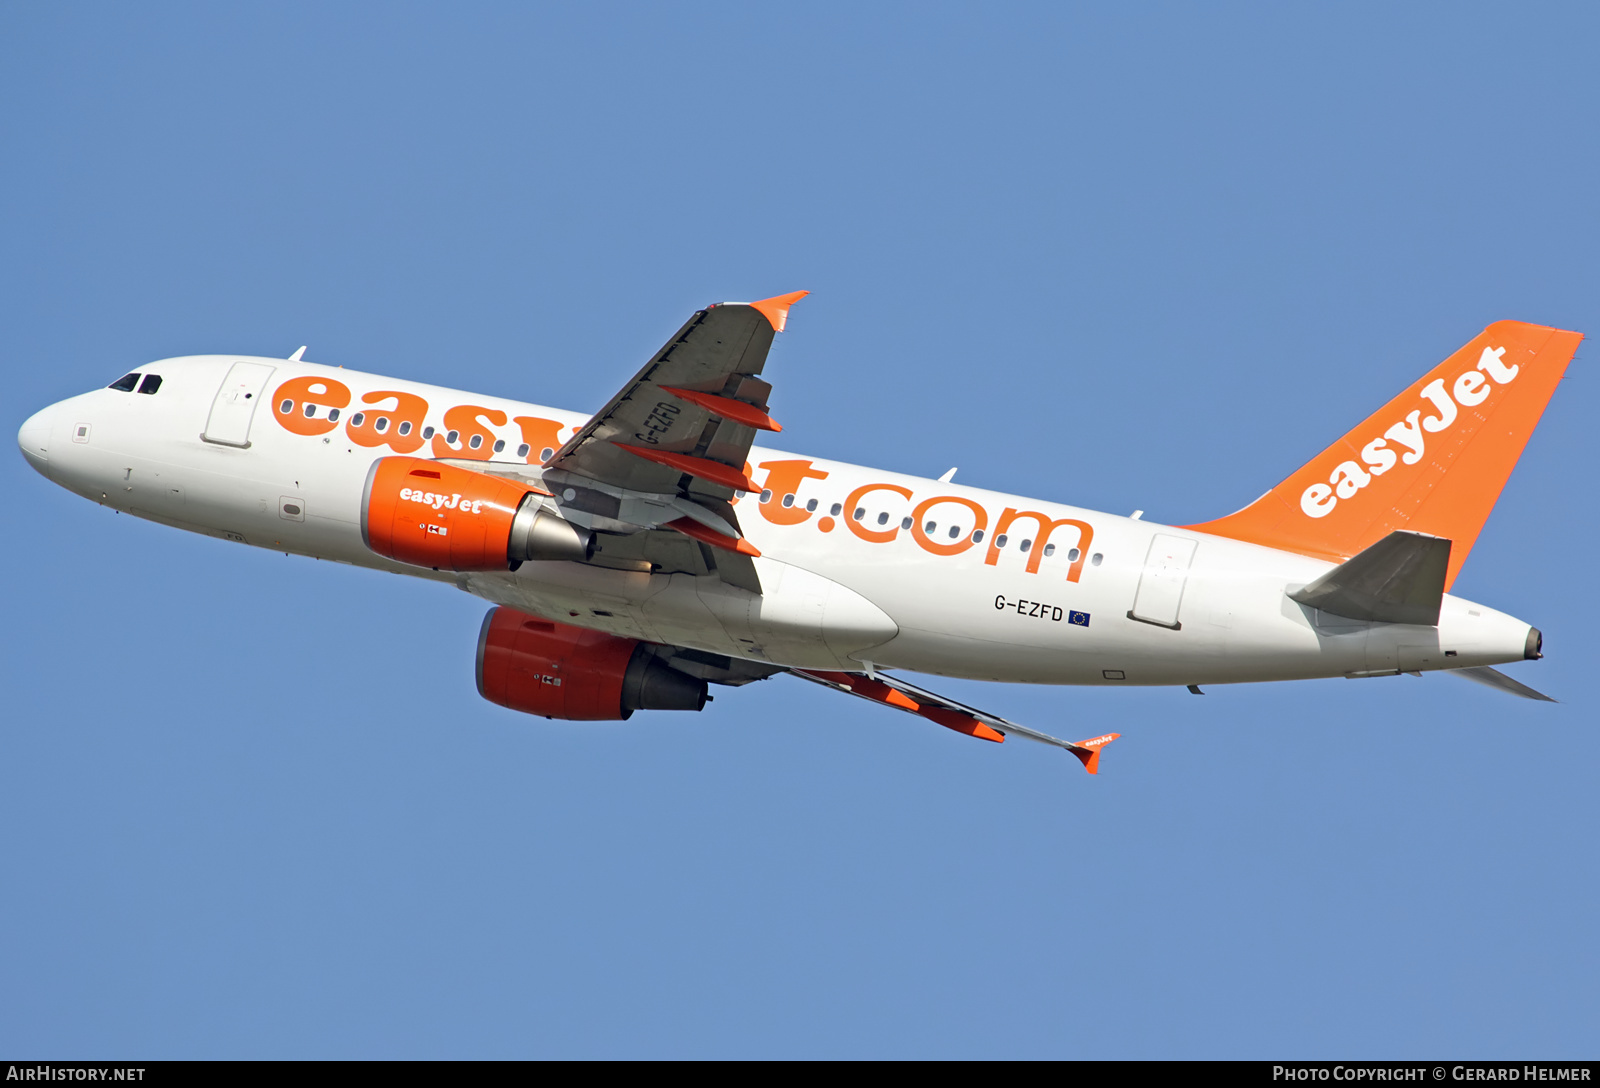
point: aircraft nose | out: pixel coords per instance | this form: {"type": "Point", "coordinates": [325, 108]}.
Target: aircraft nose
{"type": "Point", "coordinates": [34, 439]}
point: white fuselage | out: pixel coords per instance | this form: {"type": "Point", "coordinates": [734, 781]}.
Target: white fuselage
{"type": "Point", "coordinates": [1108, 599]}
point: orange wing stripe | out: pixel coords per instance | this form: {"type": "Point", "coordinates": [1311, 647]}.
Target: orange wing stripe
{"type": "Point", "coordinates": [962, 723]}
{"type": "Point", "coordinates": [878, 691]}
{"type": "Point", "coordinates": [727, 408]}
{"type": "Point", "coordinates": [705, 469]}
{"type": "Point", "coordinates": [693, 529]}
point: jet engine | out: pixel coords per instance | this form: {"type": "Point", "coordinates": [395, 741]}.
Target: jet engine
{"type": "Point", "coordinates": [541, 667]}
{"type": "Point", "coordinates": [449, 518]}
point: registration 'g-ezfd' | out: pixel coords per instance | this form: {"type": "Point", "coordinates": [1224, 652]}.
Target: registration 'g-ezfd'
{"type": "Point", "coordinates": [639, 554]}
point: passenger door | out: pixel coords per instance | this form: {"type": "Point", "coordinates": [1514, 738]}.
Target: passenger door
{"type": "Point", "coordinates": [235, 404]}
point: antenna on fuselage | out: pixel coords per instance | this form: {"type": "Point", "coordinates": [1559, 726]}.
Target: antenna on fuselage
{"type": "Point", "coordinates": [295, 358]}
{"type": "Point", "coordinates": [947, 477]}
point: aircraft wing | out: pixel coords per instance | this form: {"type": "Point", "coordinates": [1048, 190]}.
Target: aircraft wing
{"type": "Point", "coordinates": [653, 472]}
{"type": "Point", "coordinates": [880, 687]}
{"type": "Point", "coordinates": [687, 419]}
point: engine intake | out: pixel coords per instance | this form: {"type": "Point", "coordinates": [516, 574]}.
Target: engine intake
{"type": "Point", "coordinates": [541, 667]}
{"type": "Point", "coordinates": [449, 518]}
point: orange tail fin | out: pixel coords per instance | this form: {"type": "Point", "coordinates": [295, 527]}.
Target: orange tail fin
{"type": "Point", "coordinates": [1433, 460]}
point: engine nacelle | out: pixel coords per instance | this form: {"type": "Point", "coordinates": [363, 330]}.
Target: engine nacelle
{"type": "Point", "coordinates": [450, 518]}
{"type": "Point", "coordinates": [541, 667]}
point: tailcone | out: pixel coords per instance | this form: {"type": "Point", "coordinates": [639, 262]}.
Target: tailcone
{"type": "Point", "coordinates": [1471, 634]}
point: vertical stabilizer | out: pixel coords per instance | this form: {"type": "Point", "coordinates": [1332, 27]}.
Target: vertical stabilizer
{"type": "Point", "coordinates": [1433, 460]}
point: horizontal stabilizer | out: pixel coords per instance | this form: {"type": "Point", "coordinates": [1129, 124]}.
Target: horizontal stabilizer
{"type": "Point", "coordinates": [1400, 579]}
{"type": "Point", "coordinates": [1494, 678]}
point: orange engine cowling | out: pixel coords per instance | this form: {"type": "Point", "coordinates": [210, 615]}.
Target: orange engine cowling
{"type": "Point", "coordinates": [449, 518]}
{"type": "Point", "coordinates": [541, 667]}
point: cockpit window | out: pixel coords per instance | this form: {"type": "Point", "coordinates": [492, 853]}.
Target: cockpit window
{"type": "Point", "coordinates": [151, 383]}
{"type": "Point", "coordinates": [125, 383]}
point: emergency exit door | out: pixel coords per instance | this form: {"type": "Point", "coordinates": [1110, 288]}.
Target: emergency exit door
{"type": "Point", "coordinates": [1166, 571]}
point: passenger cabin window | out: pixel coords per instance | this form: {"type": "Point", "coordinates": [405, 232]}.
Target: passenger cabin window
{"type": "Point", "coordinates": [811, 504]}
{"type": "Point", "coordinates": [522, 451]}
{"type": "Point", "coordinates": [834, 509]}
{"type": "Point", "coordinates": [151, 383]}
{"type": "Point", "coordinates": [125, 383]}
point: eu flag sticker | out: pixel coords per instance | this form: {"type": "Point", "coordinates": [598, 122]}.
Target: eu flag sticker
{"type": "Point", "coordinates": [1079, 618]}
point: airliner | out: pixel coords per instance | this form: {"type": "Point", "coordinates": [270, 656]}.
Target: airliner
{"type": "Point", "coordinates": [638, 555]}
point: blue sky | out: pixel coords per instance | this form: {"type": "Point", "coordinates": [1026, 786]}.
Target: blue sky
{"type": "Point", "coordinates": [1152, 257]}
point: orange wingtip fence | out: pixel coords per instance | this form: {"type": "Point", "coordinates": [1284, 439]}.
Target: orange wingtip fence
{"type": "Point", "coordinates": [1088, 751]}
{"type": "Point", "coordinates": [776, 308]}
{"type": "Point", "coordinates": [1433, 460]}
